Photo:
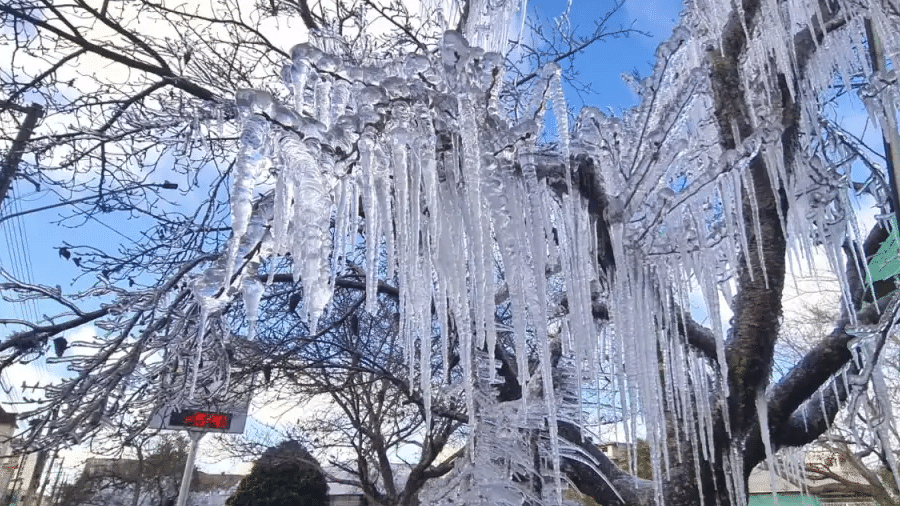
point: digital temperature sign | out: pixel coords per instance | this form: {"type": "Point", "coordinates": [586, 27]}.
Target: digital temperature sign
{"type": "Point", "coordinates": [200, 419]}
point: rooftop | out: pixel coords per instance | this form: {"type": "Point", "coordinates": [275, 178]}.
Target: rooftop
{"type": "Point", "coordinates": [7, 418]}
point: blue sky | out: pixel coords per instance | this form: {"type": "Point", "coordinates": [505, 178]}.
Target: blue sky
{"type": "Point", "coordinates": [602, 64]}
{"type": "Point", "coordinates": [605, 61]}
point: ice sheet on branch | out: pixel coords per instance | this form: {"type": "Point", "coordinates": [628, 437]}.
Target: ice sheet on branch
{"type": "Point", "coordinates": [421, 149]}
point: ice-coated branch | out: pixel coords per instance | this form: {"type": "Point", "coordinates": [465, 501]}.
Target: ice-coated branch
{"type": "Point", "coordinates": [38, 335]}
{"type": "Point", "coordinates": [575, 45]}
{"type": "Point", "coordinates": [807, 422]}
{"type": "Point", "coordinates": [706, 180]}
{"type": "Point", "coordinates": [800, 406]}
{"type": "Point", "coordinates": [833, 470]}
{"type": "Point", "coordinates": [617, 487]}
{"type": "Point", "coordinates": [476, 226]}
{"type": "Point", "coordinates": [803, 404]}
{"type": "Point", "coordinates": [821, 363]}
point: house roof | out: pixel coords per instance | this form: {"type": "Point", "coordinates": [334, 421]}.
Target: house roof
{"type": "Point", "coordinates": [401, 473]}
{"type": "Point", "coordinates": [217, 481]}
{"type": "Point", "coordinates": [126, 469]}
{"type": "Point", "coordinates": [758, 483]}
{"type": "Point", "coordinates": [7, 418]}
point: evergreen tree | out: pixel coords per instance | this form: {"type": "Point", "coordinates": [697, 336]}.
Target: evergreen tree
{"type": "Point", "coordinates": [285, 475]}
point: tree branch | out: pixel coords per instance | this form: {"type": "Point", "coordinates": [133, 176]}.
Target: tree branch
{"type": "Point", "coordinates": [166, 74]}
{"type": "Point", "coordinates": [616, 487]}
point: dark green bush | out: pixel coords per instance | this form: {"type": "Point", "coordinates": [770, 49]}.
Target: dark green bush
{"type": "Point", "coordinates": [286, 475]}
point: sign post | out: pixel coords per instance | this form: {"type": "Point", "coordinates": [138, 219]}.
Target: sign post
{"type": "Point", "coordinates": [189, 467]}
{"type": "Point", "coordinates": [212, 415]}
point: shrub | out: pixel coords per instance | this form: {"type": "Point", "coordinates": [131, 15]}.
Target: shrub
{"type": "Point", "coordinates": [286, 475]}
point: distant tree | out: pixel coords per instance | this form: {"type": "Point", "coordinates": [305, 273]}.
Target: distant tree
{"type": "Point", "coordinates": [285, 475]}
{"type": "Point", "coordinates": [850, 469]}
{"type": "Point", "coordinates": [366, 415]}
{"type": "Point", "coordinates": [152, 480]}
{"type": "Point", "coordinates": [644, 466]}
{"type": "Point", "coordinates": [848, 464]}
{"type": "Point", "coordinates": [164, 467]}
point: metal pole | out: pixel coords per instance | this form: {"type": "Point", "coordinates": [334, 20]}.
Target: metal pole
{"type": "Point", "coordinates": [189, 468]}
{"type": "Point", "coordinates": [11, 163]}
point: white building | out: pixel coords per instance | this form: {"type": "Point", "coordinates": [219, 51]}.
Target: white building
{"type": "Point", "coordinates": [16, 470]}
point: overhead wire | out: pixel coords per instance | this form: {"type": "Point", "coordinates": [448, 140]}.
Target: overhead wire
{"type": "Point", "coordinates": [19, 259]}
{"type": "Point", "coordinates": [12, 394]}
{"type": "Point", "coordinates": [24, 251]}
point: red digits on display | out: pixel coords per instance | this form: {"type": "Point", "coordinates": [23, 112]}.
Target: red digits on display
{"type": "Point", "coordinates": [198, 419]}
{"type": "Point", "coordinates": [218, 420]}
{"type": "Point", "coordinates": [202, 419]}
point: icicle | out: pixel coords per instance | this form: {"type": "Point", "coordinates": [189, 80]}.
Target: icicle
{"type": "Point", "coordinates": [342, 222]}
{"type": "Point", "coordinates": [303, 56]}
{"type": "Point", "coordinates": [323, 100]}
{"type": "Point", "coordinates": [340, 98]}
{"type": "Point", "coordinates": [381, 166]}
{"type": "Point", "coordinates": [201, 334]}
{"type": "Point", "coordinates": [252, 291]}
{"type": "Point", "coordinates": [373, 232]}
{"type": "Point", "coordinates": [311, 208]}
{"type": "Point", "coordinates": [754, 206]}
{"type": "Point", "coordinates": [284, 195]}
{"type": "Point", "coordinates": [762, 411]}
{"type": "Point", "coordinates": [425, 356]}
{"type": "Point", "coordinates": [507, 223]}
{"type": "Point", "coordinates": [250, 163]}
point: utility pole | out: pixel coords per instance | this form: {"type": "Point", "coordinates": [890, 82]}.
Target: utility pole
{"type": "Point", "coordinates": [40, 497]}
{"type": "Point", "coordinates": [12, 159]}
{"type": "Point", "coordinates": [32, 488]}
{"type": "Point", "coordinates": [889, 135]}
{"type": "Point", "coordinates": [16, 488]}
{"type": "Point", "coordinates": [54, 495]}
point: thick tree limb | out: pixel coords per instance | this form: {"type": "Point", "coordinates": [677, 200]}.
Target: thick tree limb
{"type": "Point", "coordinates": [750, 349]}
{"type": "Point", "coordinates": [798, 392]}
{"type": "Point", "coordinates": [32, 338]}
{"type": "Point", "coordinates": [306, 15]}
{"type": "Point", "coordinates": [619, 487]}
{"type": "Point", "coordinates": [810, 420]}
{"type": "Point", "coordinates": [817, 366]}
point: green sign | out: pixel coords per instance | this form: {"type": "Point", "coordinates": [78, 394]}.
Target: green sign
{"type": "Point", "coordinates": [784, 500]}
{"type": "Point", "coordinates": [886, 262]}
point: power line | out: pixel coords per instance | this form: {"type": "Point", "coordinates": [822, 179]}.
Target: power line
{"type": "Point", "coordinates": [25, 260]}
{"type": "Point", "coordinates": [21, 234]}
{"type": "Point", "coordinates": [13, 394]}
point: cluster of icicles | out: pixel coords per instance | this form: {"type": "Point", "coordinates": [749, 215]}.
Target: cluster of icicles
{"type": "Point", "coordinates": [449, 187]}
